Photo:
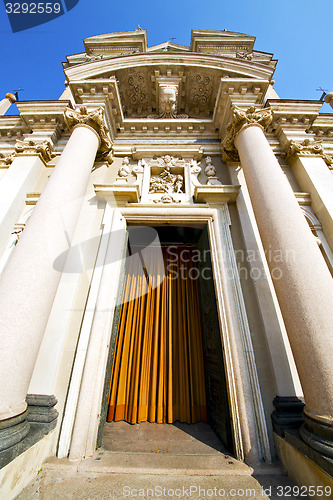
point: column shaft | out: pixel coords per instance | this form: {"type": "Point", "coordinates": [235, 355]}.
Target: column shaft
{"type": "Point", "coordinates": [302, 281]}
{"type": "Point", "coordinates": [29, 282]}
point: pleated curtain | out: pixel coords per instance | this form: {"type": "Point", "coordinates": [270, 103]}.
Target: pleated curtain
{"type": "Point", "coordinates": [158, 369]}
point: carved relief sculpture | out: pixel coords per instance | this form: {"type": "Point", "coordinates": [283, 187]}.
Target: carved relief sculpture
{"type": "Point", "coordinates": [167, 177]}
{"type": "Point", "coordinates": [168, 100]}
{"type": "Point", "coordinates": [166, 182]}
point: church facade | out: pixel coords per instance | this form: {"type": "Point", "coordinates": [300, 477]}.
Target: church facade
{"type": "Point", "coordinates": [166, 254]}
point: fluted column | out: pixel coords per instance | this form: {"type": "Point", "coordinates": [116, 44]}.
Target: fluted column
{"type": "Point", "coordinates": [29, 282]}
{"type": "Point", "coordinates": [301, 278]}
{"type": "Point", "coordinates": [6, 103]}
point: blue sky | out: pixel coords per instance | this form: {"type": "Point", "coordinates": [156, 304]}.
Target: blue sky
{"type": "Point", "coordinates": [298, 33]}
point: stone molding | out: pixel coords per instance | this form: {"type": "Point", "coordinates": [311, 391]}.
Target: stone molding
{"type": "Point", "coordinates": [307, 148]}
{"type": "Point", "coordinates": [240, 119]}
{"type": "Point", "coordinates": [95, 120]}
{"type": "Point", "coordinates": [117, 195]}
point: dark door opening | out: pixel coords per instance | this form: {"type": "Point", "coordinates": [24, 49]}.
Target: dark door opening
{"type": "Point", "coordinates": [167, 363]}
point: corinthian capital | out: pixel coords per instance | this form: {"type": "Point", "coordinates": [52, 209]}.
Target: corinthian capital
{"type": "Point", "coordinates": [241, 118]}
{"type": "Point", "coordinates": [95, 120]}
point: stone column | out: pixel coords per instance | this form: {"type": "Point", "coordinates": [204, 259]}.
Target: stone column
{"type": "Point", "coordinates": [29, 282]}
{"type": "Point", "coordinates": [6, 103]}
{"type": "Point", "coordinates": [303, 284]}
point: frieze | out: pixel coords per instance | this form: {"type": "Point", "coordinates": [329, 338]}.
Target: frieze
{"type": "Point", "coordinates": [94, 119]}
{"type": "Point", "coordinates": [244, 55]}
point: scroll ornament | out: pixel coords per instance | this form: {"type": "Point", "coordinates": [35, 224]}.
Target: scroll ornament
{"type": "Point", "coordinates": [308, 148]}
{"type": "Point", "coordinates": [95, 120]}
{"type": "Point", "coordinates": [44, 149]}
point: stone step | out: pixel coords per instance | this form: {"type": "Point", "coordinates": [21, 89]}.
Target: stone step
{"type": "Point", "coordinates": [65, 483]}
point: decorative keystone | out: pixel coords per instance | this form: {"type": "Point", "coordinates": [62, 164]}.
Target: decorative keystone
{"type": "Point", "coordinates": [94, 119]}
{"type": "Point", "coordinates": [44, 149]}
{"type": "Point", "coordinates": [241, 118]}
{"type": "Point", "coordinates": [308, 148]}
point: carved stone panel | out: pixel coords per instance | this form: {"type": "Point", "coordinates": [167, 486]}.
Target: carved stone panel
{"type": "Point", "coordinates": [166, 180]}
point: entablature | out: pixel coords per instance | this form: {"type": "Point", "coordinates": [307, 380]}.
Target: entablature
{"type": "Point", "coordinates": [242, 92]}
{"type": "Point", "coordinates": [291, 113]}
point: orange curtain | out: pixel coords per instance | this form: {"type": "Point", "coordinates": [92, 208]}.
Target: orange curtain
{"type": "Point", "coordinates": [158, 372]}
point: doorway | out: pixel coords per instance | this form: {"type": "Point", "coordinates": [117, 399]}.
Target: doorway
{"type": "Point", "coordinates": [168, 364]}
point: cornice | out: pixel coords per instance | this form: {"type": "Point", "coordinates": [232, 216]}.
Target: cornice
{"type": "Point", "coordinates": [293, 114]}
{"type": "Point", "coordinates": [120, 195]}
{"type": "Point", "coordinates": [43, 115]}
{"type": "Point", "coordinates": [323, 125]}
{"type": "Point", "coordinates": [242, 67]}
{"type": "Point", "coordinates": [13, 126]}
{"type": "Point", "coordinates": [216, 194]}
{"type": "Point", "coordinates": [244, 92]}
{"type": "Point", "coordinates": [185, 151]}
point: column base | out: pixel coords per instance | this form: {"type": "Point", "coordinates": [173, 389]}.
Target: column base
{"type": "Point", "coordinates": [288, 414]}
{"type": "Point", "coordinates": [317, 435]}
{"type": "Point", "coordinates": [13, 430]}
{"type": "Point", "coordinates": [308, 468]}
{"type": "Point", "coordinates": [19, 433]}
